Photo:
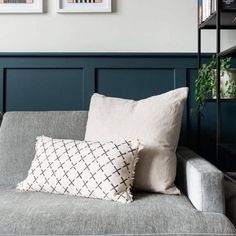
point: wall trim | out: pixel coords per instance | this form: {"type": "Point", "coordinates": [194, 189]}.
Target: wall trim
{"type": "Point", "coordinates": [102, 54]}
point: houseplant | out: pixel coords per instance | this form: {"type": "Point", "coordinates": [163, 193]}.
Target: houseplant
{"type": "Point", "coordinates": [205, 84]}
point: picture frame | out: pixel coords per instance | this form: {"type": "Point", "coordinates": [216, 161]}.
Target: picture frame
{"type": "Point", "coordinates": [84, 6]}
{"type": "Point", "coordinates": [21, 6]}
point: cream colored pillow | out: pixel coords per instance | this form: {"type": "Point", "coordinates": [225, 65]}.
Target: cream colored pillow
{"type": "Point", "coordinates": [103, 170]}
{"type": "Point", "coordinates": [155, 121]}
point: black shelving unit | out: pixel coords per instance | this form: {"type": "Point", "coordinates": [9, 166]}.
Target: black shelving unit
{"type": "Point", "coordinates": [221, 19]}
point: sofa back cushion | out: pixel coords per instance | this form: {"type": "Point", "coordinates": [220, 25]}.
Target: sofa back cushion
{"type": "Point", "coordinates": [18, 136]}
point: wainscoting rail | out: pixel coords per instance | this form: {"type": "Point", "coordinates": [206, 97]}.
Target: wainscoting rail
{"type": "Point", "coordinates": [66, 81]}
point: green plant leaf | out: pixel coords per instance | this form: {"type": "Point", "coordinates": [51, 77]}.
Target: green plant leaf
{"type": "Point", "coordinates": [205, 84]}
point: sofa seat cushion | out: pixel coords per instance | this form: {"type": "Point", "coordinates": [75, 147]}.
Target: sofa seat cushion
{"type": "Point", "coordinates": [31, 213]}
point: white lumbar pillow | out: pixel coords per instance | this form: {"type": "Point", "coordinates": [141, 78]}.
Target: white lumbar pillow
{"type": "Point", "coordinates": [155, 121]}
{"type": "Point", "coordinates": [103, 170]}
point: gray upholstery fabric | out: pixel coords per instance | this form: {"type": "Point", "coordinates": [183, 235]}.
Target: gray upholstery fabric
{"type": "Point", "coordinates": [201, 181]}
{"type": "Point", "coordinates": [18, 136]}
{"type": "Point", "coordinates": [150, 214]}
{"type": "Point", "coordinates": [156, 214]}
{"type": "Point", "coordinates": [230, 195]}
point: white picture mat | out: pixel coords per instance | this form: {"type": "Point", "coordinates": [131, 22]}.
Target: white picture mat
{"type": "Point", "coordinates": [64, 7]}
{"type": "Point", "coordinates": [35, 7]}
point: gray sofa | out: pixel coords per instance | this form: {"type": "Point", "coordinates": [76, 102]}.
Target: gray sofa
{"type": "Point", "coordinates": [198, 211]}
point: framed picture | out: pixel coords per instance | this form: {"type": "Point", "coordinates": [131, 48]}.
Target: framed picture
{"type": "Point", "coordinates": [75, 6]}
{"type": "Point", "coordinates": [21, 6]}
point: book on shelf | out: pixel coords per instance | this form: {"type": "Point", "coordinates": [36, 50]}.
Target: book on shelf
{"type": "Point", "coordinates": [207, 7]}
{"type": "Point", "coordinates": [228, 4]}
{"type": "Point", "coordinates": [213, 6]}
{"type": "Point", "coordinates": [199, 11]}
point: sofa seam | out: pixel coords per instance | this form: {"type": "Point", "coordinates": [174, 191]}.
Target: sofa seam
{"type": "Point", "coordinates": [135, 234]}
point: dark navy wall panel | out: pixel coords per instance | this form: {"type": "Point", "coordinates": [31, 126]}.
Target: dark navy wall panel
{"type": "Point", "coordinates": [43, 89]}
{"type": "Point", "coordinates": [66, 81]}
{"type": "Point", "coordinates": [192, 129]}
{"type": "Point", "coordinates": [228, 123]}
{"type": "Point", "coordinates": [134, 83]}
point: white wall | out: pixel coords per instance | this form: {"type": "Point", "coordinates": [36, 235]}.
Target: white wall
{"type": "Point", "coordinates": [135, 25]}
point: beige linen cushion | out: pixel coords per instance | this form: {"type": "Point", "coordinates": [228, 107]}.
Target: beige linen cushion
{"type": "Point", "coordinates": [155, 121]}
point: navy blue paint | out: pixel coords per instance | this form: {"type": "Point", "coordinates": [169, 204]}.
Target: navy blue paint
{"type": "Point", "coordinates": [181, 80]}
{"type": "Point", "coordinates": [134, 83]}
{"type": "Point", "coordinates": [66, 81]}
{"type": "Point", "coordinates": [44, 89]}
{"type": "Point", "coordinates": [192, 119]}
{"type": "Point", "coordinates": [2, 89]}
{"type": "Point", "coordinates": [89, 85]}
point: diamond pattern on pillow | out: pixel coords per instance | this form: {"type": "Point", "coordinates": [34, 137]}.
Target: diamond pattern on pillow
{"type": "Point", "coordinates": [103, 170]}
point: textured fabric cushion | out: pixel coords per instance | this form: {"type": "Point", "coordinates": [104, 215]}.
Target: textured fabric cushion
{"type": "Point", "coordinates": [155, 121]}
{"type": "Point", "coordinates": [155, 214]}
{"type": "Point", "coordinates": [103, 170]}
{"type": "Point", "coordinates": [19, 131]}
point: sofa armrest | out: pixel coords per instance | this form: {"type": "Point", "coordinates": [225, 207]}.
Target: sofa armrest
{"type": "Point", "coordinates": [200, 181]}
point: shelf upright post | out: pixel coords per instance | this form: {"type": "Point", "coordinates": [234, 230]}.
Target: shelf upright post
{"type": "Point", "coordinates": [199, 38]}
{"type": "Point", "coordinates": [218, 49]}
{"type": "Point", "coordinates": [199, 114]}
{"type": "Point", "coordinates": [199, 65]}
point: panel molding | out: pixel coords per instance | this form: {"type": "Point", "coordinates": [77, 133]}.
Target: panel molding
{"type": "Point", "coordinates": [183, 72]}
{"type": "Point", "coordinates": [12, 91]}
{"type": "Point", "coordinates": [2, 86]}
{"type": "Point", "coordinates": [89, 85]}
{"type": "Point", "coordinates": [92, 63]}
